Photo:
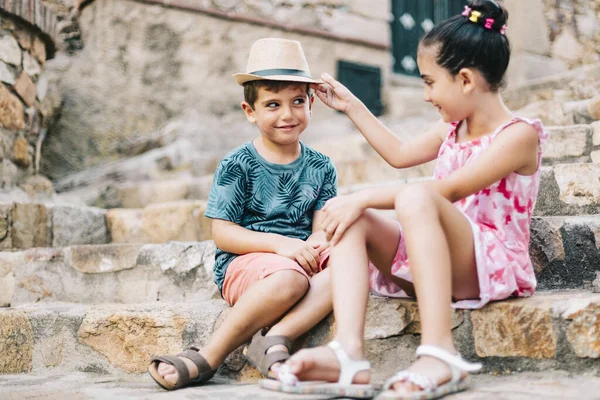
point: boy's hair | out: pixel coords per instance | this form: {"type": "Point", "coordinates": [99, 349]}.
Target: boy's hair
{"type": "Point", "coordinates": [464, 43]}
{"type": "Point", "coordinates": [251, 88]}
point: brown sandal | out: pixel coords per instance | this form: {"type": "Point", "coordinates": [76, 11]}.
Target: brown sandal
{"type": "Point", "coordinates": [256, 352]}
{"type": "Point", "coordinates": [205, 372]}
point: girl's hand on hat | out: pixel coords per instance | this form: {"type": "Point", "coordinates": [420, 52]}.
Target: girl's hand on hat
{"type": "Point", "coordinates": [333, 94]}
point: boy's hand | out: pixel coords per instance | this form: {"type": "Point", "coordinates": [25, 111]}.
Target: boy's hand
{"type": "Point", "coordinates": [318, 241]}
{"type": "Point", "coordinates": [302, 252]}
{"type": "Point", "coordinates": [333, 94]}
{"type": "Point", "coordinates": [340, 213]}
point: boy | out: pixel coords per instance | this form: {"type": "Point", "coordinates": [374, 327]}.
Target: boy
{"type": "Point", "coordinates": [265, 203]}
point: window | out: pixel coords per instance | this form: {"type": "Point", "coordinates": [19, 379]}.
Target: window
{"type": "Point", "coordinates": [412, 19]}
{"type": "Point", "coordinates": [364, 81]}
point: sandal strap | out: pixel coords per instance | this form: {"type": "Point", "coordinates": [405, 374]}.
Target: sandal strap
{"type": "Point", "coordinates": [205, 371]}
{"type": "Point", "coordinates": [422, 381]}
{"type": "Point", "coordinates": [182, 369]}
{"type": "Point", "coordinates": [454, 361]}
{"type": "Point", "coordinates": [257, 351]}
{"type": "Point", "coordinates": [348, 367]}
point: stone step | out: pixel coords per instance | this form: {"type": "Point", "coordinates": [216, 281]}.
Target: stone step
{"type": "Point", "coordinates": [182, 220]}
{"type": "Point", "coordinates": [27, 225]}
{"type": "Point", "coordinates": [546, 332]}
{"type": "Point", "coordinates": [565, 252]}
{"type": "Point", "coordinates": [547, 385]}
{"type": "Point", "coordinates": [142, 194]}
{"type": "Point", "coordinates": [574, 143]}
{"type": "Point", "coordinates": [565, 189]}
{"type": "Point", "coordinates": [112, 273]}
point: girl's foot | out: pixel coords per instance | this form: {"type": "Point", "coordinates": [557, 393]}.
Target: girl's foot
{"type": "Point", "coordinates": [430, 367]}
{"type": "Point", "coordinates": [321, 364]}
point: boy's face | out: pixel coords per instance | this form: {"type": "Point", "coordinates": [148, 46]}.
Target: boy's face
{"type": "Point", "coordinates": [281, 116]}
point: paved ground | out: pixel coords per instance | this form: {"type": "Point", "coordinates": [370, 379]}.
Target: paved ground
{"type": "Point", "coordinates": [81, 386]}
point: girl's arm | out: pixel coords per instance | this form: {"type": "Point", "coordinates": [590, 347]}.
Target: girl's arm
{"type": "Point", "coordinates": [395, 152]}
{"type": "Point", "coordinates": [514, 150]}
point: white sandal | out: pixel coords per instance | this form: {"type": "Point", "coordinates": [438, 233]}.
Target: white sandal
{"type": "Point", "coordinates": [287, 382]}
{"type": "Point", "coordinates": [430, 389]}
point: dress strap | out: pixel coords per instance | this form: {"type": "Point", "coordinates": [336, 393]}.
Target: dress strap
{"type": "Point", "coordinates": [543, 135]}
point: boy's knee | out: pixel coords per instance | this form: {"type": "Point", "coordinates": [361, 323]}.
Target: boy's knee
{"type": "Point", "coordinates": [291, 285]}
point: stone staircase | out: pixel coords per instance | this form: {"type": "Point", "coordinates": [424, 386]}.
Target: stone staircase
{"type": "Point", "coordinates": [96, 290]}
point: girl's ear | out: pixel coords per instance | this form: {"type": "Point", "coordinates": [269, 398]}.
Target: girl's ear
{"type": "Point", "coordinates": [467, 80]}
{"type": "Point", "coordinates": [248, 111]}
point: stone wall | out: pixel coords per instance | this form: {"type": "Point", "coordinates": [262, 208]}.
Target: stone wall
{"type": "Point", "coordinates": [25, 106]}
{"type": "Point", "coordinates": [143, 65]}
{"type": "Point", "coordinates": [574, 30]}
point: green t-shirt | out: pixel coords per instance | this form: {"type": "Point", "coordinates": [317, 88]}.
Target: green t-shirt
{"type": "Point", "coordinates": [265, 197]}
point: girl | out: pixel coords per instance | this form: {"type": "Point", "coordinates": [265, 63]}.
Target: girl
{"type": "Point", "coordinates": [466, 233]}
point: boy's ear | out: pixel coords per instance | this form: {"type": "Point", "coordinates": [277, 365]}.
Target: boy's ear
{"type": "Point", "coordinates": [467, 80]}
{"type": "Point", "coordinates": [249, 112]}
{"type": "Point", "coordinates": [311, 100]}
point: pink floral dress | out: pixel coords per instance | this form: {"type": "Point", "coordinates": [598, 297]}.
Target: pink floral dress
{"type": "Point", "coordinates": [500, 217]}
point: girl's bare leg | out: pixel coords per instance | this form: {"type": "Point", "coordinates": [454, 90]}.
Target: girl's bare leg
{"type": "Point", "coordinates": [439, 243]}
{"type": "Point", "coordinates": [371, 237]}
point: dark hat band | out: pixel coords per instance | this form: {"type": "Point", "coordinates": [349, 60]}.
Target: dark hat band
{"type": "Point", "coordinates": [281, 71]}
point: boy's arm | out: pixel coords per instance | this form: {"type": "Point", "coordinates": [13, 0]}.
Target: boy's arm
{"type": "Point", "coordinates": [232, 238]}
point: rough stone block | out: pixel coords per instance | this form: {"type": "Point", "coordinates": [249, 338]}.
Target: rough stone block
{"type": "Point", "coordinates": [596, 127]}
{"type": "Point", "coordinates": [125, 226]}
{"type": "Point", "coordinates": [5, 227]}
{"type": "Point", "coordinates": [568, 141]}
{"type": "Point", "coordinates": [26, 89]}
{"type": "Point", "coordinates": [7, 289]}
{"type": "Point", "coordinates": [24, 38]}
{"type": "Point", "coordinates": [129, 340]}
{"type": "Point", "coordinates": [20, 152]}
{"type": "Point", "coordinates": [10, 52]}
{"type": "Point", "coordinates": [97, 259]}
{"type": "Point", "coordinates": [584, 331]}
{"type": "Point", "coordinates": [11, 110]}
{"type": "Point", "coordinates": [181, 221]}
{"type": "Point", "coordinates": [16, 343]}
{"type": "Point", "coordinates": [78, 225]}
{"type": "Point", "coordinates": [31, 66]}
{"type": "Point", "coordinates": [38, 50]}
{"type": "Point", "coordinates": [514, 329]}
{"type": "Point", "coordinates": [7, 75]}
{"type": "Point", "coordinates": [30, 226]}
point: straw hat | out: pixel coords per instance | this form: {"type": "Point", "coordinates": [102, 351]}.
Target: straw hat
{"type": "Point", "coordinates": [276, 60]}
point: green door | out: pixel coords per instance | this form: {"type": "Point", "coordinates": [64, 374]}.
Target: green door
{"type": "Point", "coordinates": [412, 19]}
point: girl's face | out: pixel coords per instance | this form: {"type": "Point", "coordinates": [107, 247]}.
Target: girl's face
{"type": "Point", "coordinates": [449, 94]}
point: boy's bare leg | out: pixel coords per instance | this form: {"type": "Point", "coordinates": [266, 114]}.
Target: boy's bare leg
{"type": "Point", "coordinates": [313, 307]}
{"type": "Point", "coordinates": [371, 237]}
{"type": "Point", "coordinates": [261, 305]}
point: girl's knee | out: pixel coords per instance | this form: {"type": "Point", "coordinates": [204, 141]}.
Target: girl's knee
{"type": "Point", "coordinates": [414, 201]}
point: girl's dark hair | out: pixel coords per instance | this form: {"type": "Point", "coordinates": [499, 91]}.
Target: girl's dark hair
{"type": "Point", "coordinates": [466, 44]}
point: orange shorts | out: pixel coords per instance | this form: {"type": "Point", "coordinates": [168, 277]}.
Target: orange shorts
{"type": "Point", "coordinates": [250, 268]}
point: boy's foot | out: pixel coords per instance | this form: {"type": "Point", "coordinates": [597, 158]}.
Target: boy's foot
{"type": "Point", "coordinates": [275, 367]}
{"type": "Point", "coordinates": [169, 372]}
{"type": "Point", "coordinates": [321, 364]}
{"type": "Point", "coordinates": [267, 353]}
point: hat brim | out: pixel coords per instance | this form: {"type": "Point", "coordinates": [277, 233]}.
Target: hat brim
{"type": "Point", "coordinates": [243, 78]}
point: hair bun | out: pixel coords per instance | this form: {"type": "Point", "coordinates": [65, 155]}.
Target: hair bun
{"type": "Point", "coordinates": [491, 9]}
